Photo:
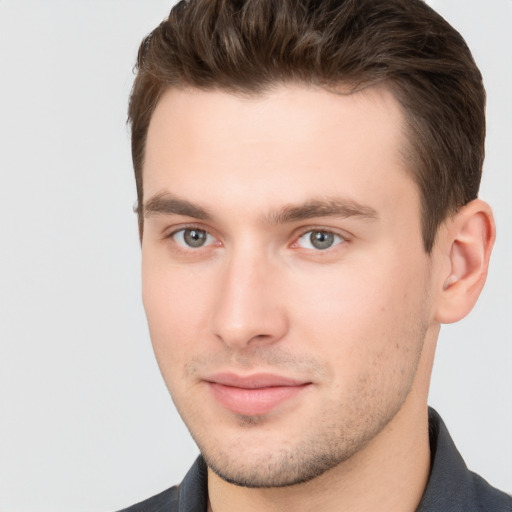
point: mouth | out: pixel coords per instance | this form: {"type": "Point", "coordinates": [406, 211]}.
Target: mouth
{"type": "Point", "coordinates": [253, 395]}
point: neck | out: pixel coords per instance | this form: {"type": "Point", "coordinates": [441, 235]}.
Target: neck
{"type": "Point", "coordinates": [389, 474]}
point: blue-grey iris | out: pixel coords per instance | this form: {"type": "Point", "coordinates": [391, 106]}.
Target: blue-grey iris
{"type": "Point", "coordinates": [321, 239]}
{"type": "Point", "coordinates": [194, 237]}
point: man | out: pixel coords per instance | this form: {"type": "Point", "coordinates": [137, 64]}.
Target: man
{"type": "Point", "coordinates": [307, 177]}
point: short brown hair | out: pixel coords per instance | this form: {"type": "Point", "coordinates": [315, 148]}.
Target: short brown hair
{"type": "Point", "coordinates": [249, 46]}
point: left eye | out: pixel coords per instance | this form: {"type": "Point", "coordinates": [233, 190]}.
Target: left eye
{"type": "Point", "coordinates": [192, 238]}
{"type": "Point", "coordinates": [319, 240]}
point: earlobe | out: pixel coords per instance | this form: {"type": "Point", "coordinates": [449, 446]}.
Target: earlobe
{"type": "Point", "coordinates": [468, 241]}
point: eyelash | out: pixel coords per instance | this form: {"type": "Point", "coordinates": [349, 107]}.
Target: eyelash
{"type": "Point", "coordinates": [330, 233]}
{"type": "Point", "coordinates": [187, 248]}
{"type": "Point", "coordinates": [184, 247]}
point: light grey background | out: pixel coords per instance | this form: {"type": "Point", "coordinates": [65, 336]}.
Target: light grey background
{"type": "Point", "coordinates": [85, 421]}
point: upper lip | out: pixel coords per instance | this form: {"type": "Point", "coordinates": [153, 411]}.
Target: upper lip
{"type": "Point", "coordinates": [254, 381]}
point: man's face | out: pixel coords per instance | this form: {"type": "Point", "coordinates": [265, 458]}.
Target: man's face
{"type": "Point", "coordinates": [284, 277]}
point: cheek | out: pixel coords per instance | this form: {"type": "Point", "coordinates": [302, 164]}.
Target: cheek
{"type": "Point", "coordinates": [362, 316]}
{"type": "Point", "coordinates": [175, 300]}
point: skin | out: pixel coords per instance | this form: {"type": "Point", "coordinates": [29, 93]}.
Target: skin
{"type": "Point", "coordinates": [357, 321]}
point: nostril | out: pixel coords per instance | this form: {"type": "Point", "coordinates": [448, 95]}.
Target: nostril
{"type": "Point", "coordinates": [260, 338]}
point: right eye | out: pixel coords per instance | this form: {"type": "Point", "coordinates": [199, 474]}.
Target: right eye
{"type": "Point", "coordinates": [193, 238]}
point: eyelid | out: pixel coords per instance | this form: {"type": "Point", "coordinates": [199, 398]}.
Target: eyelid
{"type": "Point", "coordinates": [170, 232]}
{"type": "Point", "coordinates": [345, 237]}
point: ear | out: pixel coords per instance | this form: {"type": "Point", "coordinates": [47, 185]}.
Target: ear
{"type": "Point", "coordinates": [466, 243]}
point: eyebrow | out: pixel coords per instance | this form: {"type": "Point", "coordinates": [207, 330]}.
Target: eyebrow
{"type": "Point", "coordinates": [168, 204]}
{"type": "Point", "coordinates": [330, 207]}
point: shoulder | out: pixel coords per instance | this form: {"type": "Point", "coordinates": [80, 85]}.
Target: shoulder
{"type": "Point", "coordinates": [190, 496]}
{"type": "Point", "coordinates": [489, 498]}
{"type": "Point", "coordinates": [165, 501]}
{"type": "Point", "coordinates": [452, 486]}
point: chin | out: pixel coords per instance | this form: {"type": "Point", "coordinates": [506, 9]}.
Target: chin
{"type": "Point", "coordinates": [263, 461]}
{"type": "Point", "coordinates": [279, 470]}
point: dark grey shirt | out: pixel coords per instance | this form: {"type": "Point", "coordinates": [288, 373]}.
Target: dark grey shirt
{"type": "Point", "coordinates": [451, 486]}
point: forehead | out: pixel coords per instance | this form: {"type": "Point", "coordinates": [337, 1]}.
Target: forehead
{"type": "Point", "coordinates": [282, 146]}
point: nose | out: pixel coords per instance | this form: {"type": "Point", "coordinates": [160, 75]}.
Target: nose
{"type": "Point", "coordinates": [249, 310]}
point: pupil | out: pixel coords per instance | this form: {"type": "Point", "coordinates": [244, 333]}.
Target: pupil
{"type": "Point", "coordinates": [321, 239]}
{"type": "Point", "coordinates": [194, 237]}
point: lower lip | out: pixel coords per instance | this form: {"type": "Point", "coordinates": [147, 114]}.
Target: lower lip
{"type": "Point", "coordinates": [253, 402]}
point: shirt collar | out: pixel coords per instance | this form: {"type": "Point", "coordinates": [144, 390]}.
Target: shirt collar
{"type": "Point", "coordinates": [450, 485]}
